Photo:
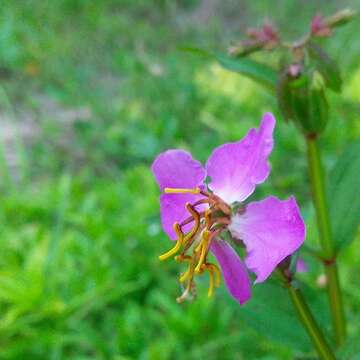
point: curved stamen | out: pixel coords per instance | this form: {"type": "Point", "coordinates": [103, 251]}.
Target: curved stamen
{"type": "Point", "coordinates": [196, 217]}
{"type": "Point", "coordinates": [208, 218]}
{"type": "Point", "coordinates": [184, 276]}
{"type": "Point", "coordinates": [214, 268]}
{"type": "Point", "coordinates": [178, 244]}
{"type": "Point", "coordinates": [187, 290]}
{"type": "Point", "coordinates": [214, 277]}
{"type": "Point", "coordinates": [190, 219]}
{"type": "Point", "coordinates": [211, 284]}
{"type": "Point", "coordinates": [188, 259]}
{"type": "Point", "coordinates": [183, 258]}
{"type": "Point", "coordinates": [203, 246]}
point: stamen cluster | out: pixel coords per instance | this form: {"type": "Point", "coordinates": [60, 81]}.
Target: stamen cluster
{"type": "Point", "coordinates": [193, 247]}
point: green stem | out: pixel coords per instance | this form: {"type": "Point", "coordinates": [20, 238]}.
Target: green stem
{"type": "Point", "coordinates": [336, 304]}
{"type": "Point", "coordinates": [310, 324]}
{"type": "Point", "coordinates": [326, 239]}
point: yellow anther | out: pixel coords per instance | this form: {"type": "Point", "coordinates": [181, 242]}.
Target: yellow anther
{"type": "Point", "coordinates": [183, 277]}
{"type": "Point", "coordinates": [216, 272]}
{"type": "Point", "coordinates": [204, 239]}
{"type": "Point", "coordinates": [182, 191]}
{"type": "Point", "coordinates": [204, 246]}
{"type": "Point", "coordinates": [178, 244]}
{"type": "Point", "coordinates": [214, 277]}
{"type": "Point", "coordinates": [211, 284]}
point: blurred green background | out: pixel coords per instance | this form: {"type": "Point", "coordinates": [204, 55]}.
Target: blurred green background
{"type": "Point", "coordinates": [90, 92]}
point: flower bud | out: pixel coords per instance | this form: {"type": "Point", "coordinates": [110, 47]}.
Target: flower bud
{"type": "Point", "coordinates": [302, 100]}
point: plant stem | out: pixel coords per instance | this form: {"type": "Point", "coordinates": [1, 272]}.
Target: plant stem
{"type": "Point", "coordinates": [310, 324]}
{"type": "Point", "coordinates": [326, 239]}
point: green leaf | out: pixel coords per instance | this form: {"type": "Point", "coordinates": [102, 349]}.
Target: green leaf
{"type": "Point", "coordinates": [343, 190]}
{"type": "Point", "coordinates": [261, 73]}
{"type": "Point", "coordinates": [258, 72]}
{"type": "Point", "coordinates": [271, 313]}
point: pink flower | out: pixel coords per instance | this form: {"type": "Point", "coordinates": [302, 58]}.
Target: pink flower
{"type": "Point", "coordinates": [202, 217]}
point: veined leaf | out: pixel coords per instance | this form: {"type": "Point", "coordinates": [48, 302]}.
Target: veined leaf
{"type": "Point", "coordinates": [343, 195]}
{"type": "Point", "coordinates": [271, 313]}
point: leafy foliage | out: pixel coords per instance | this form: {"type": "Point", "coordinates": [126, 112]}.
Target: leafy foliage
{"type": "Point", "coordinates": [343, 182]}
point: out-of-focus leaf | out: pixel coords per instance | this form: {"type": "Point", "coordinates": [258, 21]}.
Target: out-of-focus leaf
{"type": "Point", "coordinates": [344, 185]}
{"type": "Point", "coordinates": [271, 313]}
{"type": "Point", "coordinates": [258, 72]}
{"type": "Point", "coordinates": [326, 66]}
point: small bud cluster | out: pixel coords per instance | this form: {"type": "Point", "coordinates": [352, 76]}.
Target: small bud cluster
{"type": "Point", "coordinates": [265, 38]}
{"type": "Point", "coordinates": [306, 70]}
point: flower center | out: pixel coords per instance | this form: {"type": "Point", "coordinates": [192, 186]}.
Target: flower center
{"type": "Point", "coordinates": [193, 246]}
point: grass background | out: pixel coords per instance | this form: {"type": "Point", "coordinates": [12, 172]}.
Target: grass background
{"type": "Point", "coordinates": [90, 92]}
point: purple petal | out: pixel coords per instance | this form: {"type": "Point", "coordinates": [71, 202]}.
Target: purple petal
{"type": "Point", "coordinates": [236, 168]}
{"type": "Point", "coordinates": [271, 230]}
{"type": "Point", "coordinates": [301, 266]}
{"type": "Point", "coordinates": [172, 209]}
{"type": "Point", "coordinates": [177, 169]}
{"type": "Point", "coordinates": [233, 270]}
